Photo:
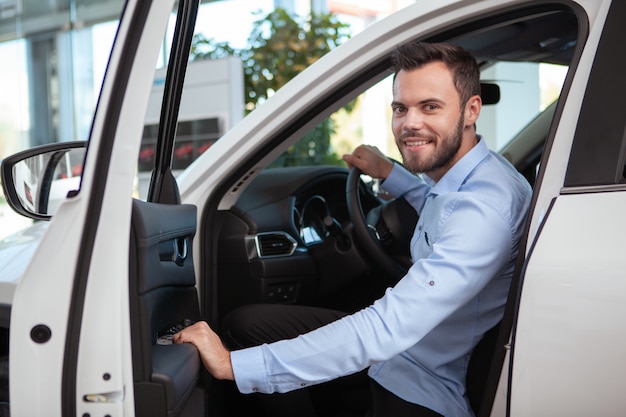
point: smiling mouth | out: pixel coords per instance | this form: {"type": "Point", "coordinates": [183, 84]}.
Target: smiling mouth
{"type": "Point", "coordinates": [416, 142]}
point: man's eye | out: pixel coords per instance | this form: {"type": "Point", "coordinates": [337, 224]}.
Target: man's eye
{"type": "Point", "coordinates": [431, 107]}
{"type": "Point", "coordinates": [398, 109]}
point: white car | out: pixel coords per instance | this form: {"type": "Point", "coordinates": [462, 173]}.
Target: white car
{"type": "Point", "coordinates": [86, 318]}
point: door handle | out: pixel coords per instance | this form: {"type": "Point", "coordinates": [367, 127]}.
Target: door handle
{"type": "Point", "coordinates": [180, 251]}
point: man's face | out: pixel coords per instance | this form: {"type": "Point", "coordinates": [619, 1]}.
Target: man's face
{"type": "Point", "coordinates": [427, 120]}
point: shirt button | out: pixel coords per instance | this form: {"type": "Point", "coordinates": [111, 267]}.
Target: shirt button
{"type": "Point", "coordinates": [255, 389]}
{"type": "Point", "coordinates": [302, 384]}
{"type": "Point", "coordinates": [431, 283]}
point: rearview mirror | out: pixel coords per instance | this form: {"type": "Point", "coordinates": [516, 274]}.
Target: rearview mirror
{"type": "Point", "coordinates": [37, 180]}
{"type": "Point", "coordinates": [489, 93]}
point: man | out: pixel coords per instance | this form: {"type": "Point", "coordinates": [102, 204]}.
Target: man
{"type": "Point", "coordinates": [416, 340]}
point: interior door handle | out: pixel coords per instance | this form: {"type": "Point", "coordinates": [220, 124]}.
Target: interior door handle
{"type": "Point", "coordinates": [180, 251]}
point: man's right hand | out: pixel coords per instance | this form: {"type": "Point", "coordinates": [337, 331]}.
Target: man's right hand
{"type": "Point", "coordinates": [215, 357]}
{"type": "Point", "coordinates": [370, 160]}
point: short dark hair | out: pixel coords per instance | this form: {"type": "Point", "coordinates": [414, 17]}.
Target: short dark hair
{"type": "Point", "coordinates": [463, 65]}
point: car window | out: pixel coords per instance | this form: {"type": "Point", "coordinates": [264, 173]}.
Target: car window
{"type": "Point", "coordinates": [216, 93]}
{"type": "Point", "coordinates": [526, 90]}
{"type": "Point", "coordinates": [213, 101]}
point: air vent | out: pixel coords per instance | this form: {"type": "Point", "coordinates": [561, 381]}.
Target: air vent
{"type": "Point", "coordinates": [242, 181]}
{"type": "Point", "coordinates": [273, 244]}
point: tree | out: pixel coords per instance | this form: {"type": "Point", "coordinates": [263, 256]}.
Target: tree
{"type": "Point", "coordinates": [280, 47]}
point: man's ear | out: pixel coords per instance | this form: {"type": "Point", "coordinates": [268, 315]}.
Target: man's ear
{"type": "Point", "coordinates": [472, 110]}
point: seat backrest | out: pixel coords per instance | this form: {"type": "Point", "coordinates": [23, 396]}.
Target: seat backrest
{"type": "Point", "coordinates": [479, 367]}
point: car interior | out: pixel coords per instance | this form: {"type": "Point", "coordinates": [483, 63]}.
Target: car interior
{"type": "Point", "coordinates": [292, 237]}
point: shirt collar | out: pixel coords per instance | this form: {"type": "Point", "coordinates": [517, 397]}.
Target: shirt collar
{"type": "Point", "coordinates": [454, 178]}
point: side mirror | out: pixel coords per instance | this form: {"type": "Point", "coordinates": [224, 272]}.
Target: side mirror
{"type": "Point", "coordinates": [37, 180]}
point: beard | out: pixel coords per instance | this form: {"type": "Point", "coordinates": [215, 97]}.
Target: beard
{"type": "Point", "coordinates": [447, 148]}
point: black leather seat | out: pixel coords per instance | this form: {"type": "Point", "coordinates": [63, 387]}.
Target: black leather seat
{"type": "Point", "coordinates": [479, 368]}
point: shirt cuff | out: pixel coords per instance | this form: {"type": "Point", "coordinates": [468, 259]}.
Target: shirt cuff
{"type": "Point", "coordinates": [249, 370]}
{"type": "Point", "coordinates": [395, 183]}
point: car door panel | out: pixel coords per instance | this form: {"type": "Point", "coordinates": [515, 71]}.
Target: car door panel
{"type": "Point", "coordinates": [568, 354]}
{"type": "Point", "coordinates": [96, 357]}
{"type": "Point", "coordinates": [163, 299]}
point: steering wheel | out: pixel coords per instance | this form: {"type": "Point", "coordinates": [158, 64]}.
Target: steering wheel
{"type": "Point", "coordinates": [385, 233]}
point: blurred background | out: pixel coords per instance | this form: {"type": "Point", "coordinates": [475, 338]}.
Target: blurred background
{"type": "Point", "coordinates": [54, 54]}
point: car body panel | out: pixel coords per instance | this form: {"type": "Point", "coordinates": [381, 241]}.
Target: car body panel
{"type": "Point", "coordinates": [574, 290]}
{"type": "Point", "coordinates": [16, 252]}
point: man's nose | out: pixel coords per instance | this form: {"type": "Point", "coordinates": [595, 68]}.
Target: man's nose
{"type": "Point", "coordinates": [414, 120]}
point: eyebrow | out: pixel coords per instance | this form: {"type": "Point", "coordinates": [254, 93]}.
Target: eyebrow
{"type": "Point", "coordinates": [421, 102]}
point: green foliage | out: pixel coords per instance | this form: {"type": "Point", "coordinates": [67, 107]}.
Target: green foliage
{"type": "Point", "coordinates": [280, 47]}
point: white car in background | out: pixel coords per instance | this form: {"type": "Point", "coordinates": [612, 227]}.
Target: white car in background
{"type": "Point", "coordinates": [85, 320]}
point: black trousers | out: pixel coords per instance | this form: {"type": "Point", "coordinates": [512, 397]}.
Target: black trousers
{"type": "Point", "coordinates": [266, 323]}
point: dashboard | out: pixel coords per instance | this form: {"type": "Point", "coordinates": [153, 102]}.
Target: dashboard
{"type": "Point", "coordinates": [289, 240]}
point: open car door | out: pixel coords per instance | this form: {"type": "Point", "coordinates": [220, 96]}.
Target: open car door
{"type": "Point", "coordinates": [70, 321]}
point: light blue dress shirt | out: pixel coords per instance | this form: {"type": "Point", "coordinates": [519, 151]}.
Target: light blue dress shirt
{"type": "Point", "coordinates": [417, 338]}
